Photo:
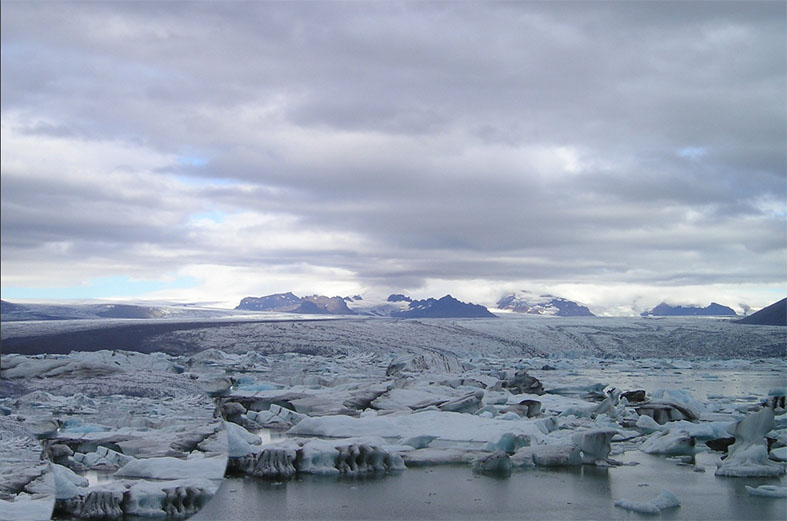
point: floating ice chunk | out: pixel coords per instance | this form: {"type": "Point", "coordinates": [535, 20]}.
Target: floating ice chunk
{"type": "Point", "coordinates": [318, 457]}
{"type": "Point", "coordinates": [359, 458]}
{"type": "Point", "coordinates": [509, 416]}
{"type": "Point", "coordinates": [445, 425]}
{"type": "Point", "coordinates": [167, 498]}
{"type": "Point", "coordinates": [287, 415]}
{"type": "Point", "coordinates": [275, 460]}
{"type": "Point", "coordinates": [674, 443]}
{"type": "Point", "coordinates": [240, 442]}
{"type": "Point", "coordinates": [430, 456]}
{"type": "Point", "coordinates": [594, 445]}
{"type": "Point", "coordinates": [102, 457]}
{"type": "Point", "coordinates": [767, 491]}
{"type": "Point", "coordinates": [779, 454]}
{"type": "Point", "coordinates": [584, 388]}
{"type": "Point", "coordinates": [635, 396]}
{"type": "Point", "coordinates": [68, 484]}
{"type": "Point", "coordinates": [682, 397]}
{"type": "Point", "coordinates": [197, 465]}
{"type": "Point", "coordinates": [496, 397]}
{"type": "Point", "coordinates": [469, 403]}
{"type": "Point", "coordinates": [508, 442]}
{"type": "Point", "coordinates": [104, 501]}
{"type": "Point", "coordinates": [413, 398]}
{"type": "Point", "coordinates": [547, 425]}
{"type": "Point", "coordinates": [419, 442]}
{"type": "Point", "coordinates": [702, 431]}
{"type": "Point", "coordinates": [26, 508]}
{"type": "Point", "coordinates": [43, 429]}
{"type": "Point", "coordinates": [215, 385]}
{"type": "Point", "coordinates": [521, 382]}
{"type": "Point", "coordinates": [648, 425]}
{"type": "Point", "coordinates": [666, 410]}
{"type": "Point", "coordinates": [547, 456]}
{"type": "Point", "coordinates": [665, 499]}
{"type": "Point", "coordinates": [748, 456]}
{"type": "Point", "coordinates": [553, 403]}
{"type": "Point", "coordinates": [496, 463]}
{"type": "Point", "coordinates": [525, 408]}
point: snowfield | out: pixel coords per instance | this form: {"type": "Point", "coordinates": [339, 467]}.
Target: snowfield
{"type": "Point", "coordinates": [498, 397]}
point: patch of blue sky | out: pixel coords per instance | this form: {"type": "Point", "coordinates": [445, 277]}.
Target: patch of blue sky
{"type": "Point", "coordinates": [692, 152]}
{"type": "Point", "coordinates": [217, 216]}
{"type": "Point", "coordinates": [192, 160]}
{"type": "Point", "coordinates": [100, 287]}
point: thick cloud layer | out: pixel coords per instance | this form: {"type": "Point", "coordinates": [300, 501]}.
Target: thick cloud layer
{"type": "Point", "coordinates": [349, 147]}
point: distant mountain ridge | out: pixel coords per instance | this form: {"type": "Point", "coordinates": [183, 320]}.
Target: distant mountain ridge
{"type": "Point", "coordinates": [290, 303]}
{"type": "Point", "coordinates": [532, 304]}
{"type": "Point", "coordinates": [445, 307]}
{"type": "Point", "coordinates": [713, 310]}
{"type": "Point", "coordinates": [773, 315]}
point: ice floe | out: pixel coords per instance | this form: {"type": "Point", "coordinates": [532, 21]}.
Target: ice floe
{"type": "Point", "coordinates": [664, 500]}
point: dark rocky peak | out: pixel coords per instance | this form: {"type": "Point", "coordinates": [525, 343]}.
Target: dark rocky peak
{"type": "Point", "coordinates": [666, 310]}
{"type": "Point", "coordinates": [275, 302]}
{"type": "Point", "coordinates": [445, 307]}
{"type": "Point", "coordinates": [398, 297]}
{"type": "Point", "coordinates": [773, 315]}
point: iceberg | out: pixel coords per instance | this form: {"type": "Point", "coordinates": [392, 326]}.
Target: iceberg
{"type": "Point", "coordinates": [196, 465]}
{"type": "Point", "coordinates": [594, 445]}
{"type": "Point", "coordinates": [496, 463]}
{"type": "Point", "coordinates": [547, 456]}
{"type": "Point", "coordinates": [767, 491]}
{"type": "Point", "coordinates": [664, 500]}
{"type": "Point", "coordinates": [748, 456]}
{"type": "Point", "coordinates": [673, 443]}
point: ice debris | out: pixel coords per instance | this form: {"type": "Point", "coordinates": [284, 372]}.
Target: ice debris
{"type": "Point", "coordinates": [748, 456]}
{"type": "Point", "coordinates": [497, 462]}
{"type": "Point", "coordinates": [673, 443]}
{"type": "Point", "coordinates": [767, 491]}
{"type": "Point", "coordinates": [665, 499]}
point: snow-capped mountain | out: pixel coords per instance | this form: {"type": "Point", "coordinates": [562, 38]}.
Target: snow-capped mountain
{"type": "Point", "coordinates": [445, 307]}
{"type": "Point", "coordinates": [533, 304]}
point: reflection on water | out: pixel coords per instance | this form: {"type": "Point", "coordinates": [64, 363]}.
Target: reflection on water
{"type": "Point", "coordinates": [454, 492]}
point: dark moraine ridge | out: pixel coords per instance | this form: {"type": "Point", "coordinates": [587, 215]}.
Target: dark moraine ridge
{"type": "Point", "coordinates": [131, 337]}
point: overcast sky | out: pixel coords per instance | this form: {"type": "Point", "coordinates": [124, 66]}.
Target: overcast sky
{"type": "Point", "coordinates": [619, 154]}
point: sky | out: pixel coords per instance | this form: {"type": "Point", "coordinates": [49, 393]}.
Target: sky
{"type": "Point", "coordinates": [618, 154]}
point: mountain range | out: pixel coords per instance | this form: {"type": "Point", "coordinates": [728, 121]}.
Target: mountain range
{"type": "Point", "coordinates": [532, 304]}
{"type": "Point", "coordinates": [713, 310]}
{"type": "Point", "coordinates": [397, 305]}
{"type": "Point", "coordinates": [290, 303]}
{"type": "Point", "coordinates": [445, 307]}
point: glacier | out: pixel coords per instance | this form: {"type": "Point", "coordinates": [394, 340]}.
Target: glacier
{"type": "Point", "coordinates": [376, 397]}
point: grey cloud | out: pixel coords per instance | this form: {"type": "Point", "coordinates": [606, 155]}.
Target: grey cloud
{"type": "Point", "coordinates": [626, 85]}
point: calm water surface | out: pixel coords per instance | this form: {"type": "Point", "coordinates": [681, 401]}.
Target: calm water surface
{"type": "Point", "coordinates": [454, 492]}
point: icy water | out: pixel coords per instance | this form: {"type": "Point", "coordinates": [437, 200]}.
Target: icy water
{"type": "Point", "coordinates": [454, 492]}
